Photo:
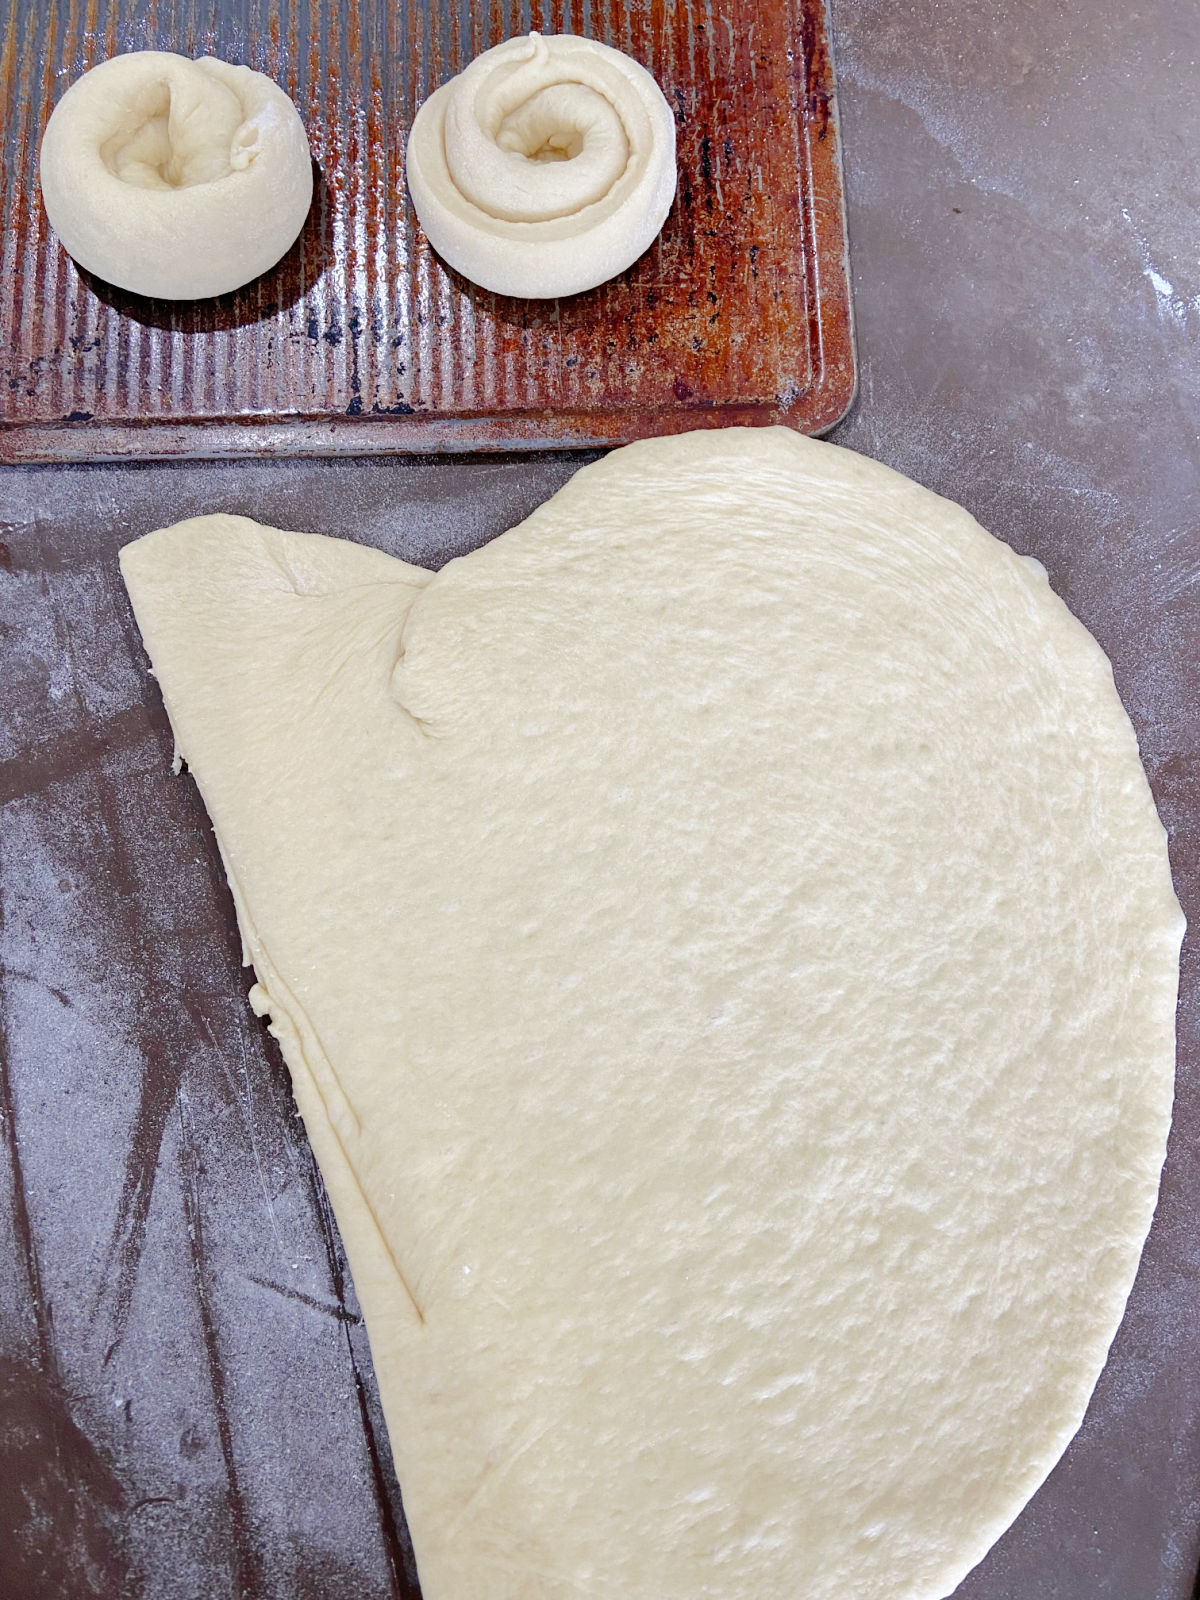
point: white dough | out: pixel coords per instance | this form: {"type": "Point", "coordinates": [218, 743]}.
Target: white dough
{"type": "Point", "coordinates": [174, 178]}
{"type": "Point", "coordinates": [724, 947]}
{"type": "Point", "coordinates": [545, 168]}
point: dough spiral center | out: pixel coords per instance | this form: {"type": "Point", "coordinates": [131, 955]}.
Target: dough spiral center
{"type": "Point", "coordinates": [546, 167]}
{"type": "Point", "coordinates": [181, 129]}
{"type": "Point", "coordinates": [535, 137]}
{"type": "Point", "coordinates": [173, 178]}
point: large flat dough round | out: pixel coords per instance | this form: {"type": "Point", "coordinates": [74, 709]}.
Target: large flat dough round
{"type": "Point", "coordinates": [724, 947]}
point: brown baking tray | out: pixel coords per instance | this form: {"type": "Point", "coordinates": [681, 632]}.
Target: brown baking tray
{"type": "Point", "coordinates": [361, 340]}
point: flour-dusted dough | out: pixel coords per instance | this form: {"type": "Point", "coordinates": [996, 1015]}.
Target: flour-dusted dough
{"type": "Point", "coordinates": [174, 178]}
{"type": "Point", "coordinates": [724, 948]}
{"type": "Point", "coordinates": [545, 168]}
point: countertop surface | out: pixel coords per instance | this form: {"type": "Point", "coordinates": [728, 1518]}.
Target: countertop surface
{"type": "Point", "coordinates": [186, 1401]}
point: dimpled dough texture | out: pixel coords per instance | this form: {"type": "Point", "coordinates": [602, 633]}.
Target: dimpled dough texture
{"type": "Point", "coordinates": [723, 944]}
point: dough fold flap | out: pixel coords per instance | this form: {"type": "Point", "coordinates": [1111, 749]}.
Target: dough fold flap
{"type": "Point", "coordinates": [724, 948]}
{"type": "Point", "coordinates": [250, 631]}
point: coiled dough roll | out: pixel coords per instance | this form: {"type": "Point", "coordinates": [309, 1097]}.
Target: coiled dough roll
{"type": "Point", "coordinates": [545, 168]}
{"type": "Point", "coordinates": [174, 178]}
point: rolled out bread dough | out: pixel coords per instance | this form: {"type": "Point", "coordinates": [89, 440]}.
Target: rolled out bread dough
{"type": "Point", "coordinates": [723, 944]}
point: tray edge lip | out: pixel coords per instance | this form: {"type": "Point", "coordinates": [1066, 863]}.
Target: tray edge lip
{"type": "Point", "coordinates": [257, 438]}
{"type": "Point", "coordinates": [845, 395]}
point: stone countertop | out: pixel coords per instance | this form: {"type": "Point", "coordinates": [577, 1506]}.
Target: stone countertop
{"type": "Point", "coordinates": [186, 1402]}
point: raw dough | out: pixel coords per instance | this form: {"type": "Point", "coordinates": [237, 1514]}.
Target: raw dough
{"type": "Point", "coordinates": [545, 168]}
{"type": "Point", "coordinates": [724, 948]}
{"type": "Point", "coordinates": [174, 178]}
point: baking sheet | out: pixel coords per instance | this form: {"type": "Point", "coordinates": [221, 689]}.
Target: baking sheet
{"type": "Point", "coordinates": [361, 340]}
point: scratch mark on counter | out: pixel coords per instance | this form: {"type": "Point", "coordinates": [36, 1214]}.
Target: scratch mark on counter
{"type": "Point", "coordinates": [339, 1312]}
{"type": "Point", "coordinates": [52, 1475]}
{"type": "Point", "coordinates": [21, 1220]}
{"type": "Point", "coordinates": [156, 1095]}
{"type": "Point", "coordinates": [394, 1539]}
{"type": "Point", "coordinates": [154, 1500]}
{"type": "Point", "coordinates": [90, 747]}
{"type": "Point", "coordinates": [244, 1576]}
{"type": "Point", "coordinates": [245, 1105]}
{"type": "Point", "coordinates": [40, 983]}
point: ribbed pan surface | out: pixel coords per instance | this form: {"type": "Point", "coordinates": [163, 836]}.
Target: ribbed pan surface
{"type": "Point", "coordinates": [361, 339]}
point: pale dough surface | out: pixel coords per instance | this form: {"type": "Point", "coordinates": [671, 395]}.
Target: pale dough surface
{"type": "Point", "coordinates": [174, 178]}
{"type": "Point", "coordinates": [544, 169]}
{"type": "Point", "coordinates": [724, 947]}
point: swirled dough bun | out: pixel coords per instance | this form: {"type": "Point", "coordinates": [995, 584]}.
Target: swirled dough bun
{"type": "Point", "coordinates": [174, 178]}
{"type": "Point", "coordinates": [545, 168]}
{"type": "Point", "coordinates": [725, 952]}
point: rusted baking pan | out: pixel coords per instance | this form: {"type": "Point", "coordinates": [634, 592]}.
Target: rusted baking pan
{"type": "Point", "coordinates": [361, 340]}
